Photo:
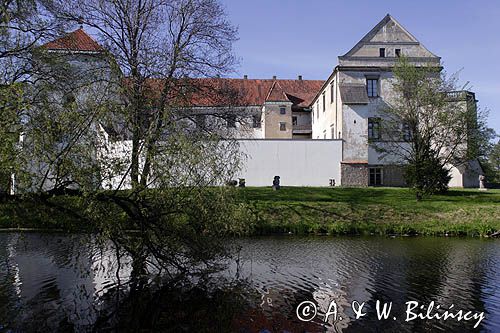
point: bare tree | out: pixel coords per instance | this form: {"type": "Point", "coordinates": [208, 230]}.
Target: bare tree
{"type": "Point", "coordinates": [162, 40]}
{"type": "Point", "coordinates": [24, 24]}
{"type": "Point", "coordinates": [165, 157]}
{"type": "Point", "coordinates": [130, 117]}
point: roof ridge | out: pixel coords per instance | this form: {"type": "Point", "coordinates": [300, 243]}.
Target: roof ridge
{"type": "Point", "coordinates": [278, 91]}
{"type": "Point", "coordinates": [77, 40]}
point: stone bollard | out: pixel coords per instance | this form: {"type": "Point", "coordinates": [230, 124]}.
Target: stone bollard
{"type": "Point", "coordinates": [232, 183]}
{"type": "Point", "coordinates": [482, 186]}
{"type": "Point", "coordinates": [276, 183]}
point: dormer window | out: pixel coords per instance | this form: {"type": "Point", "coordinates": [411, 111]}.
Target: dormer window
{"type": "Point", "coordinates": [231, 121]}
{"type": "Point", "coordinates": [282, 109]}
{"type": "Point", "coordinates": [382, 52]}
{"type": "Point", "coordinates": [397, 52]}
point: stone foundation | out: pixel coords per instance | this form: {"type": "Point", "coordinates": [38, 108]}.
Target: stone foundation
{"type": "Point", "coordinates": [358, 175]}
{"type": "Point", "coordinates": [393, 175]}
{"type": "Point", "coordinates": [354, 175]}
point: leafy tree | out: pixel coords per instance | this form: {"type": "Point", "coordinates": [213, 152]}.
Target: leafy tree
{"type": "Point", "coordinates": [11, 101]}
{"type": "Point", "coordinates": [491, 164]}
{"type": "Point", "coordinates": [429, 126]}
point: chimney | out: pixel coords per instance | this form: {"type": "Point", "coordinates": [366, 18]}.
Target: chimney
{"type": "Point", "coordinates": [80, 22]}
{"type": "Point", "coordinates": [274, 77]}
{"type": "Point", "coordinates": [300, 77]}
{"type": "Point", "coordinates": [245, 77]}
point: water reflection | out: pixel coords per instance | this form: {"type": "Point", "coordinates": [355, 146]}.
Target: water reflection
{"type": "Point", "coordinates": [463, 272]}
{"type": "Point", "coordinates": [67, 283]}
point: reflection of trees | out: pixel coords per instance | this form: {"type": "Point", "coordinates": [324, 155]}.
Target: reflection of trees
{"type": "Point", "coordinates": [50, 281]}
{"type": "Point", "coordinates": [200, 307]}
{"type": "Point", "coordinates": [7, 283]}
{"type": "Point", "coordinates": [59, 278]}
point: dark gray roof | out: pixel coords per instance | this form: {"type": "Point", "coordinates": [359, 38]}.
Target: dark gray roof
{"type": "Point", "coordinates": [353, 94]}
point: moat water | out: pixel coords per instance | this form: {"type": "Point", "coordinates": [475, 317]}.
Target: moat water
{"type": "Point", "coordinates": [51, 282]}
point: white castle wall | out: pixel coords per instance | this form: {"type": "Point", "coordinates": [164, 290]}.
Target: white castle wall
{"type": "Point", "coordinates": [297, 162]}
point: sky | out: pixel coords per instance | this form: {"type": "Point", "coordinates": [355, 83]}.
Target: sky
{"type": "Point", "coordinates": [298, 37]}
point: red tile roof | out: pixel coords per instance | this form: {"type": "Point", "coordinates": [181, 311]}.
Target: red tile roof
{"type": "Point", "coordinates": [276, 93]}
{"type": "Point", "coordinates": [246, 92]}
{"type": "Point", "coordinates": [77, 40]}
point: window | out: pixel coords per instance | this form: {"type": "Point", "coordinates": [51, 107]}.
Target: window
{"type": "Point", "coordinates": [282, 109]}
{"type": "Point", "coordinates": [200, 121]}
{"type": "Point", "coordinates": [398, 52]}
{"type": "Point", "coordinates": [231, 121]}
{"type": "Point", "coordinates": [332, 130]}
{"type": "Point", "coordinates": [294, 120]}
{"type": "Point", "coordinates": [332, 91]}
{"type": "Point", "coordinates": [317, 109]}
{"type": "Point", "coordinates": [374, 128]}
{"type": "Point", "coordinates": [406, 132]}
{"type": "Point", "coordinates": [256, 121]}
{"type": "Point", "coordinates": [372, 87]}
{"type": "Point", "coordinates": [282, 126]}
{"type": "Point", "coordinates": [382, 52]}
{"type": "Point", "coordinates": [69, 101]}
{"type": "Point", "coordinates": [375, 177]}
{"type": "Point", "coordinates": [324, 134]}
{"type": "Point", "coordinates": [324, 102]}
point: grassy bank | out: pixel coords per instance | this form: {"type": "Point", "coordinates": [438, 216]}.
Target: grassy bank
{"type": "Point", "coordinates": [302, 210]}
{"type": "Point", "coordinates": [305, 210]}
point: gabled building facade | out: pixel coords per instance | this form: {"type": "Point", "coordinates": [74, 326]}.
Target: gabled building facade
{"type": "Point", "coordinates": [350, 104]}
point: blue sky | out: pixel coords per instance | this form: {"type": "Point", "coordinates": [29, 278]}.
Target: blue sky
{"type": "Point", "coordinates": [288, 38]}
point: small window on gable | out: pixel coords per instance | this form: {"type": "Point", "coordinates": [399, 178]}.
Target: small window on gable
{"type": "Point", "coordinates": [282, 126]}
{"type": "Point", "coordinates": [282, 109]}
{"type": "Point", "coordinates": [324, 102]}
{"type": "Point", "coordinates": [256, 121]}
{"type": "Point", "coordinates": [317, 109]}
{"type": "Point", "coordinates": [397, 52]}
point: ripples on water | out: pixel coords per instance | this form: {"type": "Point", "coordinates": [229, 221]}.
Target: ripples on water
{"type": "Point", "coordinates": [58, 281]}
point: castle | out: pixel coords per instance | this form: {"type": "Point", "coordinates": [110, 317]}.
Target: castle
{"type": "Point", "coordinates": [315, 132]}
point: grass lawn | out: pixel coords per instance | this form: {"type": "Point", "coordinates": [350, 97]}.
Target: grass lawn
{"type": "Point", "coordinates": [305, 210]}
{"type": "Point", "coordinates": [315, 210]}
